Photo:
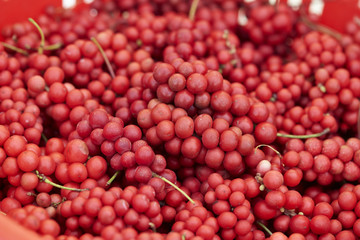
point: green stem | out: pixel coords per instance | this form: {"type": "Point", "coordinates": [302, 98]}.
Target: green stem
{"type": "Point", "coordinates": [321, 28]}
{"type": "Point", "coordinates": [259, 180]}
{"type": "Point", "coordinates": [174, 186]}
{"type": "Point", "coordinates": [42, 37]}
{"type": "Point", "coordinates": [277, 152]}
{"type": "Point", "coordinates": [322, 88]}
{"type": "Point", "coordinates": [236, 62]}
{"type": "Point", "coordinates": [55, 205]}
{"type": "Point", "coordinates": [112, 178]}
{"type": "Point", "coordinates": [264, 227]}
{"type": "Point", "coordinates": [111, 70]}
{"type": "Point", "coordinates": [31, 194]}
{"type": "Point", "coordinates": [43, 178]}
{"type": "Point", "coordinates": [325, 131]}
{"type": "Point", "coordinates": [46, 48]}
{"type": "Point", "coordinates": [44, 138]}
{"type": "Point", "coordinates": [139, 42]}
{"type": "Point", "coordinates": [265, 145]}
{"type": "Point", "coordinates": [15, 49]}
{"type": "Point", "coordinates": [288, 212]}
{"type": "Point", "coordinates": [193, 9]}
{"type": "Point", "coordinates": [152, 226]}
{"type": "Point", "coordinates": [53, 47]}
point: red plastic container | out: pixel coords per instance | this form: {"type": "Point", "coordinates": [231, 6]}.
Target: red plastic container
{"type": "Point", "coordinates": [337, 13]}
{"type": "Point", "coordinates": [332, 13]}
{"type": "Point", "coordinates": [12, 11]}
{"type": "Point", "coordinates": [11, 230]}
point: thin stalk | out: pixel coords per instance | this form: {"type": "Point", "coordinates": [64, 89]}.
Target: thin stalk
{"type": "Point", "coordinates": [321, 28]}
{"type": "Point", "coordinates": [111, 70]}
{"type": "Point", "coordinates": [235, 61]}
{"type": "Point", "coordinates": [174, 186]}
{"type": "Point", "coordinates": [322, 88]}
{"type": "Point", "coordinates": [265, 145]}
{"type": "Point", "coordinates": [288, 212]}
{"type": "Point", "coordinates": [15, 49]}
{"type": "Point", "coordinates": [112, 178]}
{"type": "Point", "coordinates": [42, 37]}
{"type": "Point", "coordinates": [152, 226]}
{"type": "Point", "coordinates": [46, 48]}
{"type": "Point", "coordinates": [55, 205]}
{"type": "Point", "coordinates": [276, 5]}
{"type": "Point", "coordinates": [43, 178]}
{"type": "Point", "coordinates": [277, 153]}
{"type": "Point", "coordinates": [31, 194]}
{"type": "Point", "coordinates": [53, 47]}
{"type": "Point", "coordinates": [259, 180]}
{"type": "Point", "coordinates": [325, 131]}
{"type": "Point", "coordinates": [44, 138]}
{"type": "Point", "coordinates": [139, 42]}
{"type": "Point", "coordinates": [193, 9]}
{"type": "Point", "coordinates": [264, 227]}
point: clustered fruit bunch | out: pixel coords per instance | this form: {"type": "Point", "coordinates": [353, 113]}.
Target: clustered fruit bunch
{"type": "Point", "coordinates": [180, 120]}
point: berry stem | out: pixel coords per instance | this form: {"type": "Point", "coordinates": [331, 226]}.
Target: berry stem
{"type": "Point", "coordinates": [259, 180]}
{"type": "Point", "coordinates": [264, 227]}
{"type": "Point", "coordinates": [193, 9]}
{"type": "Point", "coordinates": [322, 88]}
{"type": "Point", "coordinates": [42, 37]}
{"type": "Point", "coordinates": [152, 226]}
{"type": "Point", "coordinates": [139, 42]}
{"type": "Point", "coordinates": [276, 151]}
{"type": "Point", "coordinates": [276, 5]}
{"type": "Point", "coordinates": [174, 186]}
{"type": "Point", "coordinates": [325, 131]}
{"type": "Point", "coordinates": [53, 47]}
{"type": "Point", "coordinates": [235, 61]}
{"type": "Point", "coordinates": [288, 212]}
{"type": "Point", "coordinates": [31, 194]}
{"type": "Point", "coordinates": [321, 28]}
{"type": "Point", "coordinates": [56, 204]}
{"type": "Point", "coordinates": [112, 178]}
{"type": "Point", "coordinates": [272, 148]}
{"type": "Point", "coordinates": [44, 138]}
{"type": "Point", "coordinates": [43, 178]}
{"type": "Point", "coordinates": [15, 49]}
{"type": "Point", "coordinates": [241, 17]}
{"type": "Point", "coordinates": [108, 64]}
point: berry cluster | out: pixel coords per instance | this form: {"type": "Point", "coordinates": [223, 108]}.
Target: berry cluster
{"type": "Point", "coordinates": [133, 120]}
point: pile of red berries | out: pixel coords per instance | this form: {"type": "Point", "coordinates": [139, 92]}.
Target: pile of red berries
{"type": "Point", "coordinates": [180, 120]}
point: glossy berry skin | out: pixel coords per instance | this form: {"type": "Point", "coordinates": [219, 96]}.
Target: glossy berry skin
{"type": "Point", "coordinates": [265, 133]}
{"type": "Point", "coordinates": [320, 224]}
{"type": "Point", "coordinates": [273, 179]}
